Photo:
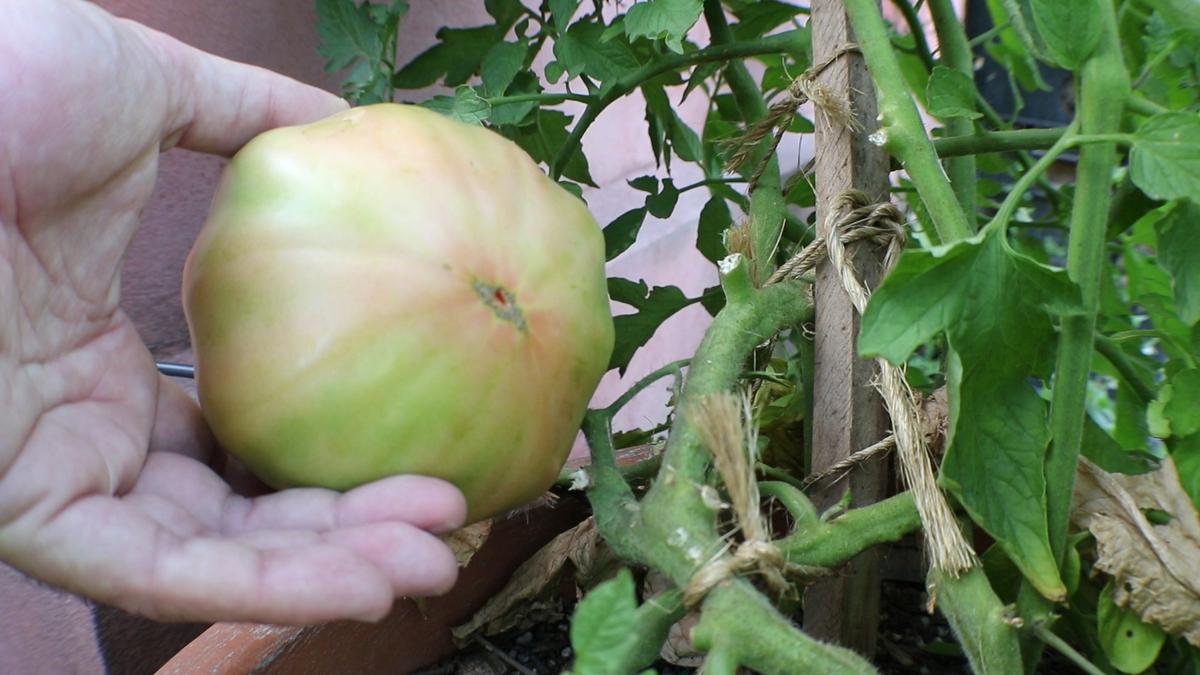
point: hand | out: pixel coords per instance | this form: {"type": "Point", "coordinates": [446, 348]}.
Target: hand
{"type": "Point", "coordinates": [103, 486]}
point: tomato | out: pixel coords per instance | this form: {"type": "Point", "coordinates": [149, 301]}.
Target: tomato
{"type": "Point", "coordinates": [390, 291]}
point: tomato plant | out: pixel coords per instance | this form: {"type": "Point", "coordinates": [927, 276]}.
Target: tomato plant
{"type": "Point", "coordinates": [391, 291]}
{"type": "Point", "coordinates": [1058, 315]}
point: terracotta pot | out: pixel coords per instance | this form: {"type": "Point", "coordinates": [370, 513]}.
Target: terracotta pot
{"type": "Point", "coordinates": [410, 637]}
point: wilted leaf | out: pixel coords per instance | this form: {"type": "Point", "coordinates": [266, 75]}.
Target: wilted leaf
{"type": "Point", "coordinates": [580, 549]}
{"type": "Point", "coordinates": [464, 542]}
{"type": "Point", "coordinates": [1155, 568]}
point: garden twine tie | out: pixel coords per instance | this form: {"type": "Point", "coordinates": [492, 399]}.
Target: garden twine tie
{"type": "Point", "coordinates": [852, 217]}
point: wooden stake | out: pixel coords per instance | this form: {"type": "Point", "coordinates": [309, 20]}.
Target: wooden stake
{"type": "Point", "coordinates": [848, 414]}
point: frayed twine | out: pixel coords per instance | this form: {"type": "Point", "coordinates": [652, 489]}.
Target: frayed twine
{"type": "Point", "coordinates": [852, 217]}
{"type": "Point", "coordinates": [725, 424]}
{"type": "Point", "coordinates": [834, 109]}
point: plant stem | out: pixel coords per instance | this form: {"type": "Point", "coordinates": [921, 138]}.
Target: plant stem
{"type": "Point", "coordinates": [978, 618]}
{"type": "Point", "coordinates": [997, 141]}
{"type": "Point", "coordinates": [767, 203]}
{"type": "Point", "coordinates": [674, 368]}
{"type": "Point", "coordinates": [654, 620]}
{"type": "Point", "coordinates": [741, 628]}
{"type": "Point", "coordinates": [1111, 351]}
{"type": "Point", "coordinates": [804, 514]}
{"type": "Point", "coordinates": [1104, 88]}
{"type": "Point", "coordinates": [956, 53]}
{"type": "Point", "coordinates": [1144, 106]}
{"type": "Point", "coordinates": [774, 44]}
{"type": "Point", "coordinates": [917, 30]}
{"type": "Point", "coordinates": [905, 133]}
{"type": "Point", "coordinates": [834, 543]}
{"type": "Point", "coordinates": [546, 99]}
{"type": "Point", "coordinates": [1061, 646]}
{"type": "Point", "coordinates": [1010, 203]}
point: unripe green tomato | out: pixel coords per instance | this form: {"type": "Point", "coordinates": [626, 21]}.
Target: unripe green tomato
{"type": "Point", "coordinates": [390, 291]}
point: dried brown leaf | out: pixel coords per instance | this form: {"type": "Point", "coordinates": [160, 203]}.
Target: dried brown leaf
{"type": "Point", "coordinates": [1156, 567]}
{"type": "Point", "coordinates": [467, 540]}
{"type": "Point", "coordinates": [530, 591]}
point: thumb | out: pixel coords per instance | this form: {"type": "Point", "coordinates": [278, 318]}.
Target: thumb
{"type": "Point", "coordinates": [218, 105]}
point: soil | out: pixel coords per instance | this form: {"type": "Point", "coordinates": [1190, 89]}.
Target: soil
{"type": "Point", "coordinates": [911, 642]}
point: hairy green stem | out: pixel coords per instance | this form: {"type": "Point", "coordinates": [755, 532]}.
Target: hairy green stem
{"type": "Point", "coordinates": [1144, 106]}
{"type": "Point", "coordinates": [997, 141]}
{"type": "Point", "coordinates": [834, 543]}
{"type": "Point", "coordinates": [1104, 88]}
{"type": "Point", "coordinates": [804, 514]}
{"type": "Point", "coordinates": [905, 135]}
{"type": "Point", "coordinates": [654, 620]}
{"type": "Point", "coordinates": [956, 54]}
{"type": "Point", "coordinates": [774, 44]}
{"type": "Point", "coordinates": [740, 628]}
{"type": "Point", "coordinates": [979, 620]}
{"type": "Point", "coordinates": [767, 203]}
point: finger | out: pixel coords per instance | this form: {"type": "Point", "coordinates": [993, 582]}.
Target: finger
{"type": "Point", "coordinates": [218, 105]}
{"type": "Point", "coordinates": [135, 564]}
{"type": "Point", "coordinates": [179, 425]}
{"type": "Point", "coordinates": [426, 503]}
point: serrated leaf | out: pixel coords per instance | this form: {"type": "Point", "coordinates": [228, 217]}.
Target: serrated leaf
{"type": "Point", "coordinates": [347, 33]}
{"type": "Point", "coordinates": [1070, 28]}
{"type": "Point", "coordinates": [951, 93]}
{"type": "Point", "coordinates": [454, 59]}
{"type": "Point", "coordinates": [581, 50]}
{"type": "Point", "coordinates": [1165, 160]}
{"type": "Point", "coordinates": [622, 232]}
{"type": "Point", "coordinates": [1178, 242]}
{"type": "Point", "coordinates": [999, 428]}
{"type": "Point", "coordinates": [516, 113]}
{"type": "Point", "coordinates": [465, 106]}
{"type": "Point", "coordinates": [562, 11]}
{"type": "Point", "coordinates": [715, 219]}
{"type": "Point", "coordinates": [603, 627]}
{"type": "Point", "coordinates": [669, 20]}
{"type": "Point", "coordinates": [500, 65]}
{"type": "Point", "coordinates": [1130, 644]}
{"type": "Point", "coordinates": [653, 305]}
{"type": "Point", "coordinates": [647, 184]}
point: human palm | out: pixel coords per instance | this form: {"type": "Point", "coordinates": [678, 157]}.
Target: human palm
{"type": "Point", "coordinates": [105, 484]}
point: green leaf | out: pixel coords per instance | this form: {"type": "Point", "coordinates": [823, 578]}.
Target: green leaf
{"type": "Point", "coordinates": [1071, 29]}
{"type": "Point", "coordinates": [525, 82]}
{"type": "Point", "coordinates": [1175, 412]}
{"type": "Point", "coordinates": [1186, 455]}
{"type": "Point", "coordinates": [715, 219]}
{"type": "Point", "coordinates": [758, 18]}
{"type": "Point", "coordinates": [347, 33]}
{"type": "Point", "coordinates": [501, 64]}
{"type": "Point", "coordinates": [1178, 243]}
{"type": "Point", "coordinates": [951, 93]}
{"type": "Point", "coordinates": [666, 19]}
{"type": "Point", "coordinates": [1130, 644]}
{"type": "Point", "coordinates": [653, 305]}
{"type": "Point", "coordinates": [996, 308]}
{"type": "Point", "coordinates": [1107, 454]}
{"type": "Point", "coordinates": [603, 627]}
{"type": "Point", "coordinates": [455, 58]}
{"type": "Point", "coordinates": [622, 232]}
{"type": "Point", "coordinates": [465, 106]}
{"type": "Point", "coordinates": [562, 11]}
{"type": "Point", "coordinates": [554, 71]}
{"type": "Point", "coordinates": [544, 136]}
{"type": "Point", "coordinates": [582, 50]}
{"type": "Point", "coordinates": [661, 205]}
{"type": "Point", "coordinates": [1165, 160]}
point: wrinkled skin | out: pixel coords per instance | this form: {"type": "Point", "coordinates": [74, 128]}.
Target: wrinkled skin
{"type": "Point", "coordinates": [390, 291]}
{"type": "Point", "coordinates": [104, 485]}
